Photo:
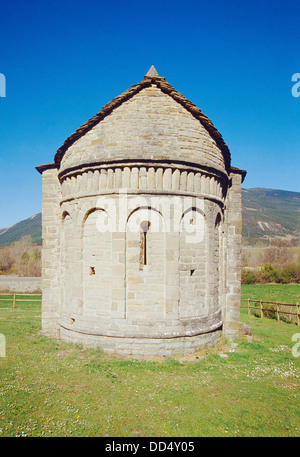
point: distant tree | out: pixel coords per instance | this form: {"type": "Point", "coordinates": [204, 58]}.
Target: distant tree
{"type": "Point", "coordinates": [21, 258]}
{"type": "Point", "coordinates": [248, 277]}
{"type": "Point", "coordinates": [276, 254]}
{"type": "Point", "coordinates": [6, 260]}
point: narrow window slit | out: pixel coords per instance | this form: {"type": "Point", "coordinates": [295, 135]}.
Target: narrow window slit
{"type": "Point", "coordinates": [145, 225]}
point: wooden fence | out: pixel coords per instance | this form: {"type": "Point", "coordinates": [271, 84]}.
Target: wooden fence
{"type": "Point", "coordinates": [276, 309]}
{"type": "Point", "coordinates": [13, 298]}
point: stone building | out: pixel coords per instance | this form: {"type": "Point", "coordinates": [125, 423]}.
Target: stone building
{"type": "Point", "coordinates": [142, 225]}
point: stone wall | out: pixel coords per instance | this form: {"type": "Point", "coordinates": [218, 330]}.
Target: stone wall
{"type": "Point", "coordinates": [143, 348]}
{"type": "Point", "coordinates": [108, 291]}
{"type": "Point", "coordinates": [142, 233]}
{"type": "Point", "coordinates": [18, 284]}
{"type": "Point", "coordinates": [233, 250]}
{"type": "Point", "coordinates": [51, 253]}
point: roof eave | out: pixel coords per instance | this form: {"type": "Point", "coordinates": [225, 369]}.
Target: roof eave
{"type": "Point", "coordinates": [47, 166]}
{"type": "Point", "coordinates": [239, 172]}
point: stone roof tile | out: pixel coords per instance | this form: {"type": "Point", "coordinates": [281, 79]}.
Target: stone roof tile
{"type": "Point", "coordinates": [165, 87]}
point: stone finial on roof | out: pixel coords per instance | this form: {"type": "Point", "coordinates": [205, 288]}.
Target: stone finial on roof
{"type": "Point", "coordinates": [152, 73]}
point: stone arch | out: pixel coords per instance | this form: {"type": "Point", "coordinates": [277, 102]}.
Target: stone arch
{"type": "Point", "coordinates": [148, 212]}
{"type": "Point", "coordinates": [85, 208]}
{"type": "Point", "coordinates": [192, 263]}
{"type": "Point", "coordinates": [218, 258]}
{"type": "Point", "coordinates": [199, 213]}
{"type": "Point", "coordinates": [145, 283]}
{"type": "Point", "coordinates": [66, 236]}
{"type": "Point", "coordinates": [96, 264]}
{"type": "Point", "coordinates": [87, 214]}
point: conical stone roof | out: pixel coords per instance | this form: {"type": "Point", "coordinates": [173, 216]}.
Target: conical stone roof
{"type": "Point", "coordinates": [149, 121]}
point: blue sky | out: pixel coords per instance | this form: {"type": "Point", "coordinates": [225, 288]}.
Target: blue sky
{"type": "Point", "coordinates": [63, 60]}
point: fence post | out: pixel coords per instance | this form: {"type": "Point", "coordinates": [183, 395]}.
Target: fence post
{"type": "Point", "coordinates": [248, 306]}
{"type": "Point", "coordinates": [14, 300]}
{"type": "Point", "coordinates": [298, 314]}
{"type": "Point", "coordinates": [261, 310]}
{"type": "Point", "coordinates": [277, 312]}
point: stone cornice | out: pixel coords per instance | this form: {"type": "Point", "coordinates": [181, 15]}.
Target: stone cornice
{"type": "Point", "coordinates": [142, 178]}
{"type": "Point", "coordinates": [79, 169]}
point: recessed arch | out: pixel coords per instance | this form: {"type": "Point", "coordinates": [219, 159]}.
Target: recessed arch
{"type": "Point", "coordinates": [89, 212]}
{"type": "Point", "coordinates": [193, 208]}
{"type": "Point", "coordinates": [192, 260]}
{"type": "Point", "coordinates": [144, 208]}
{"type": "Point", "coordinates": [96, 264]}
{"type": "Point", "coordinates": [145, 213]}
{"type": "Point", "coordinates": [145, 269]}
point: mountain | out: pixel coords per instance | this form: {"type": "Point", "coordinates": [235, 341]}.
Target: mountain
{"type": "Point", "coordinates": [270, 213]}
{"type": "Point", "coordinates": [31, 226]}
{"type": "Point", "coordinates": [267, 213]}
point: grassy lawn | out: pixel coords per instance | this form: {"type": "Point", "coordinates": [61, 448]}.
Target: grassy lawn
{"type": "Point", "coordinates": [284, 293]}
{"type": "Point", "coordinates": [51, 388]}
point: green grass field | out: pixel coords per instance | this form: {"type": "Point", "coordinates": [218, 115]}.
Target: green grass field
{"type": "Point", "coordinates": [284, 293]}
{"type": "Point", "coordinates": [51, 388]}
